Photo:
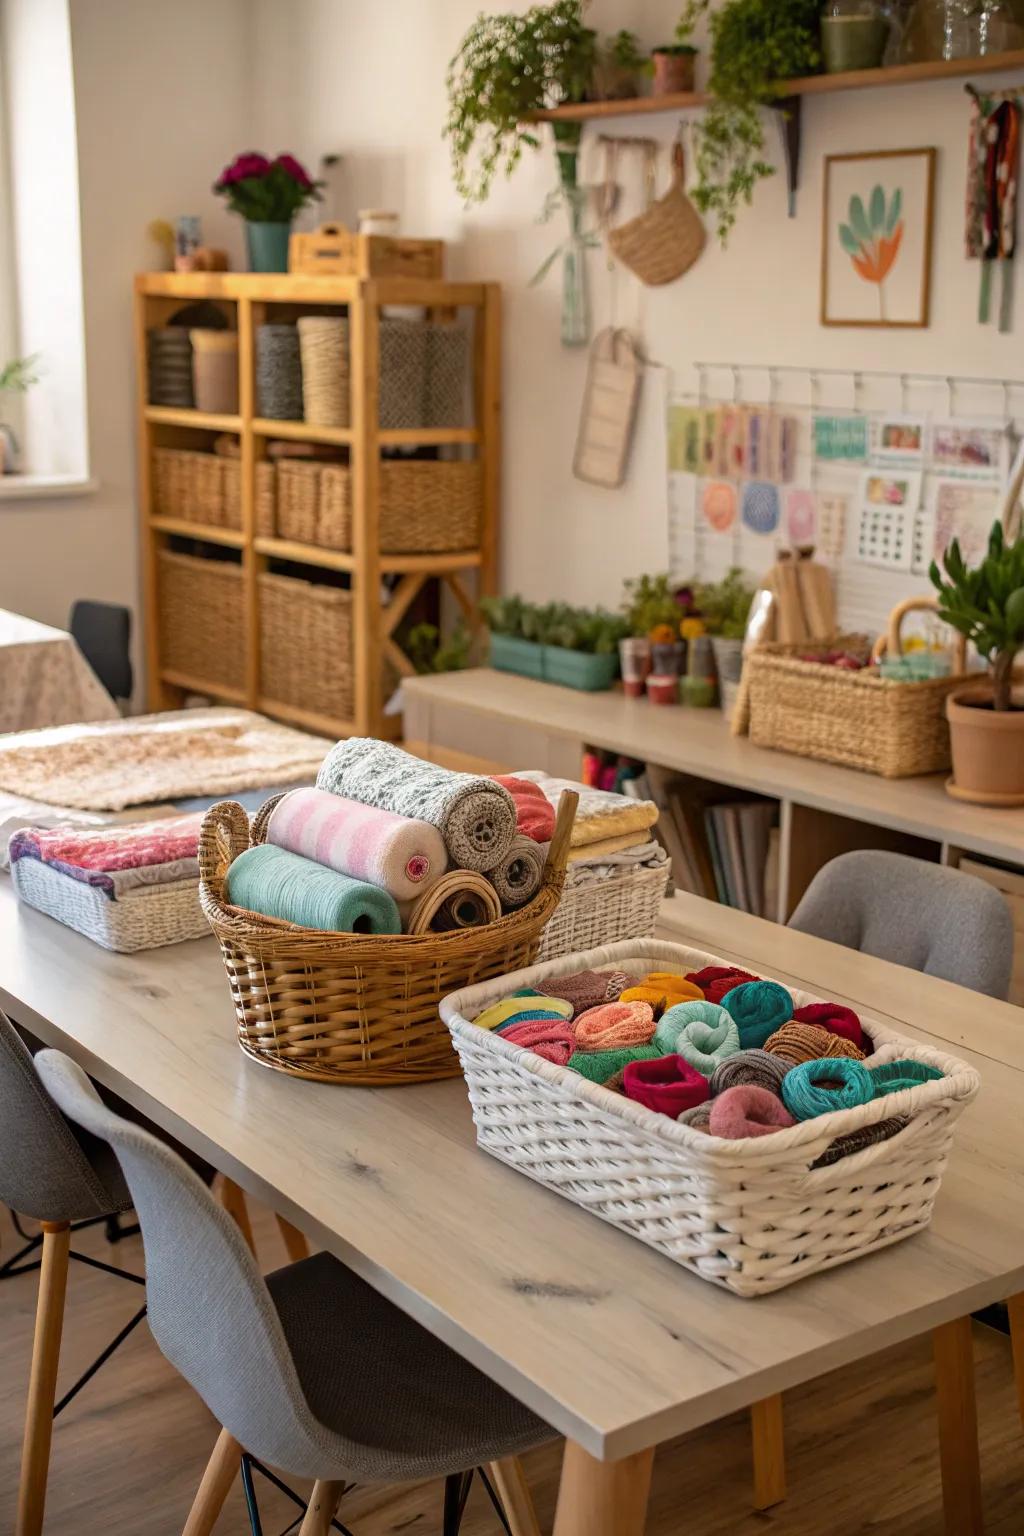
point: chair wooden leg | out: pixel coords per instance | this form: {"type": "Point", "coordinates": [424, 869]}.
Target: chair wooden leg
{"type": "Point", "coordinates": [323, 1502]}
{"type": "Point", "coordinates": [35, 1456]}
{"type": "Point", "coordinates": [958, 1428]}
{"type": "Point", "coordinates": [295, 1242]}
{"type": "Point", "coordinates": [769, 1451]}
{"type": "Point", "coordinates": [512, 1489]}
{"type": "Point", "coordinates": [602, 1498]}
{"type": "Point", "coordinates": [221, 1471]}
{"type": "Point", "coordinates": [1015, 1307]}
{"type": "Point", "coordinates": [232, 1198]}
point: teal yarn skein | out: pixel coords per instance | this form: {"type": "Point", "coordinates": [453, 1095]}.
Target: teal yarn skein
{"type": "Point", "coordinates": [818, 1087]}
{"type": "Point", "coordinates": [269, 880]}
{"type": "Point", "coordinates": [701, 1033]}
{"type": "Point", "coordinates": [759, 1008]}
{"type": "Point", "coordinates": [894, 1076]}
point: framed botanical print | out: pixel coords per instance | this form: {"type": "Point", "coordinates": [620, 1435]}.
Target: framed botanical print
{"type": "Point", "coordinates": [876, 240]}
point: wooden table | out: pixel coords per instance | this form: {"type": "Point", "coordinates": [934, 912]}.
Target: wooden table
{"type": "Point", "coordinates": [618, 1348]}
{"type": "Point", "coordinates": [44, 678]}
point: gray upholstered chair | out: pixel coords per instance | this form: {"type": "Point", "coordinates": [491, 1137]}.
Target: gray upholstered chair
{"type": "Point", "coordinates": [311, 1369]}
{"type": "Point", "coordinates": [57, 1175]}
{"type": "Point", "coordinates": [925, 916]}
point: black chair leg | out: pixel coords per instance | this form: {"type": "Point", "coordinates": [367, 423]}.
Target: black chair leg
{"type": "Point", "coordinates": [250, 1497]}
{"type": "Point", "coordinates": [456, 1492]}
{"type": "Point", "coordinates": [499, 1509]}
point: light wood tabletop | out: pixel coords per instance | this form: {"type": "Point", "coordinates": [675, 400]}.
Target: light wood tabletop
{"type": "Point", "coordinates": [618, 1348]}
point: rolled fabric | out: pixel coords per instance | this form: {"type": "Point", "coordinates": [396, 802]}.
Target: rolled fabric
{"type": "Point", "coordinates": [894, 1076]}
{"type": "Point", "coordinates": [551, 1039]}
{"type": "Point", "coordinates": [665, 988]}
{"type": "Point", "coordinates": [390, 851]}
{"type": "Point", "coordinates": [475, 816]}
{"type": "Point", "coordinates": [535, 815]}
{"type": "Point", "coordinates": [818, 1087]}
{"type": "Point", "coordinates": [614, 1026]}
{"type": "Point", "coordinates": [589, 989]}
{"type": "Point", "coordinates": [807, 1042]}
{"type": "Point", "coordinates": [856, 1141]}
{"type": "Point", "coordinates": [599, 1066]}
{"type": "Point", "coordinates": [698, 1118]}
{"type": "Point", "coordinates": [838, 1020]}
{"type": "Point", "coordinates": [716, 980]}
{"type": "Point", "coordinates": [703, 1034]}
{"type": "Point", "coordinates": [759, 1008]}
{"type": "Point", "coordinates": [755, 1069]}
{"type": "Point", "coordinates": [502, 1011]}
{"type": "Point", "coordinates": [464, 909]}
{"type": "Point", "coordinates": [667, 1085]}
{"type": "Point", "coordinates": [748, 1111]}
{"type": "Point", "coordinates": [675, 1019]}
{"type": "Point", "coordinates": [280, 884]}
{"type": "Point", "coordinates": [517, 876]}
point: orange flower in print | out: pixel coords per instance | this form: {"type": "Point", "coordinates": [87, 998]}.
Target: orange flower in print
{"type": "Point", "coordinates": [872, 237]}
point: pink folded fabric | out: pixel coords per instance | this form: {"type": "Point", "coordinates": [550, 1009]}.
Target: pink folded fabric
{"type": "Point", "coordinates": [838, 1020]}
{"type": "Point", "coordinates": [397, 854]}
{"type": "Point", "coordinates": [668, 1085]}
{"type": "Point", "coordinates": [549, 1038]}
{"type": "Point", "coordinates": [535, 815]}
{"type": "Point", "coordinates": [614, 1027]}
{"type": "Point", "coordinates": [748, 1111]}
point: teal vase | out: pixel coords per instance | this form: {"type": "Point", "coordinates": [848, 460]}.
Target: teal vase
{"type": "Point", "coordinates": [268, 246]}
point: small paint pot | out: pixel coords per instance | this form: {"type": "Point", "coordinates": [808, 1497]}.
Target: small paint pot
{"type": "Point", "coordinates": [662, 688]}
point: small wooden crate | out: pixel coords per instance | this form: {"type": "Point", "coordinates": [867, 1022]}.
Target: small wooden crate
{"type": "Point", "coordinates": [336, 251]}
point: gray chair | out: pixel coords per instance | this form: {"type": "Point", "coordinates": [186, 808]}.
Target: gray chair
{"type": "Point", "coordinates": [311, 1369]}
{"type": "Point", "coordinates": [61, 1177]}
{"type": "Point", "coordinates": [925, 916]}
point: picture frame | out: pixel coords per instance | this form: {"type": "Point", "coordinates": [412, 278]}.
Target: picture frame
{"type": "Point", "coordinates": [876, 238]}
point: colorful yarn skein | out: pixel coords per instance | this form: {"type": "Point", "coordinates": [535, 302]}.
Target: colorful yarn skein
{"type": "Point", "coordinates": [550, 1038]}
{"type": "Point", "coordinates": [666, 988]}
{"type": "Point", "coordinates": [599, 1066]}
{"type": "Point", "coordinates": [856, 1141]}
{"type": "Point", "coordinates": [505, 1010]}
{"type": "Point", "coordinates": [614, 1026]}
{"type": "Point", "coordinates": [754, 1069]}
{"type": "Point", "coordinates": [716, 980]}
{"type": "Point", "coordinates": [759, 1008]}
{"type": "Point", "coordinates": [748, 1111]}
{"type": "Point", "coordinates": [698, 1118]}
{"type": "Point", "coordinates": [589, 989]}
{"type": "Point", "coordinates": [819, 1087]}
{"type": "Point", "coordinates": [703, 1034]}
{"type": "Point", "coordinates": [838, 1020]}
{"type": "Point", "coordinates": [894, 1076]}
{"type": "Point", "coordinates": [668, 1085]}
{"type": "Point", "coordinates": [807, 1042]}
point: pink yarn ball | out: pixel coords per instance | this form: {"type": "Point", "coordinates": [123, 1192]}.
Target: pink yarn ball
{"type": "Point", "coordinates": [748, 1111]}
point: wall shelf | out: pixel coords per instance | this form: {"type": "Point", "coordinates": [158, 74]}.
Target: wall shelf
{"type": "Point", "coordinates": [301, 431]}
{"type": "Point", "coordinates": [171, 416]}
{"type": "Point", "coordinates": [306, 554]}
{"type": "Point", "coordinates": [231, 537]}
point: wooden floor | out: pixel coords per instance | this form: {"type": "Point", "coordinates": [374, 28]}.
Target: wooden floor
{"type": "Point", "coordinates": [128, 1453]}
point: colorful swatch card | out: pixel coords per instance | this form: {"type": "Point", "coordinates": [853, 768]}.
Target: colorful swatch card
{"type": "Point", "coordinates": [963, 510]}
{"type": "Point", "coordinates": [708, 439]}
{"type": "Point", "coordinates": [718, 504]}
{"type": "Point", "coordinates": [898, 439]}
{"type": "Point", "coordinates": [969, 448]}
{"type": "Point", "coordinates": [841, 439]}
{"type": "Point", "coordinates": [801, 515]}
{"type": "Point", "coordinates": [685, 424]}
{"type": "Point", "coordinates": [885, 530]}
{"type": "Point", "coordinates": [759, 426]}
{"type": "Point", "coordinates": [730, 441]}
{"type": "Point", "coordinates": [782, 452]}
{"type": "Point", "coordinates": [831, 541]}
{"type": "Point", "coordinates": [762, 511]}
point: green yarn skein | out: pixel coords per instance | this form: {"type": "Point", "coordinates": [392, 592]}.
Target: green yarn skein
{"type": "Point", "coordinates": [599, 1066]}
{"type": "Point", "coordinates": [759, 1008]}
{"type": "Point", "coordinates": [701, 1033]}
{"type": "Point", "coordinates": [270, 880]}
{"type": "Point", "coordinates": [818, 1087]}
{"type": "Point", "coordinates": [894, 1076]}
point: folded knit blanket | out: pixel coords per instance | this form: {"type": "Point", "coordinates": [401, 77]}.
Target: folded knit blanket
{"type": "Point", "coordinates": [475, 816]}
{"type": "Point", "coordinates": [535, 815]}
{"type": "Point", "coordinates": [600, 815]}
{"type": "Point", "coordinates": [398, 854]}
{"type": "Point", "coordinates": [116, 859]}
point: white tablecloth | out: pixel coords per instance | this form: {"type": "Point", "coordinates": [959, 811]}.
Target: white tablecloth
{"type": "Point", "coordinates": [45, 679]}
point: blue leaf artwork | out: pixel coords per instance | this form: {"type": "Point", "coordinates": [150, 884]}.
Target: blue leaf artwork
{"type": "Point", "coordinates": [762, 511]}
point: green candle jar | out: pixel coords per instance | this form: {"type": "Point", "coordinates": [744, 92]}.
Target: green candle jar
{"type": "Point", "coordinates": [853, 36]}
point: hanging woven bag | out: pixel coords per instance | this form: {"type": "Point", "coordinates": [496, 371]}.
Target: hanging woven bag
{"type": "Point", "coordinates": [665, 240]}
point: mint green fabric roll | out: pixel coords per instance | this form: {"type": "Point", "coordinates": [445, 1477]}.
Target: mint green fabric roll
{"type": "Point", "coordinates": [276, 883]}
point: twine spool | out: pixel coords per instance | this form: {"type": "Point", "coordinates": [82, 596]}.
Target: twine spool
{"type": "Point", "coordinates": [278, 372]}
{"type": "Point", "coordinates": [759, 1008]}
{"type": "Point", "coordinates": [703, 1034]}
{"type": "Point", "coordinates": [838, 1020]}
{"type": "Point", "coordinates": [465, 909]}
{"type": "Point", "coordinates": [756, 1069]}
{"type": "Point", "coordinates": [599, 1066]}
{"type": "Point", "coordinates": [279, 884]}
{"type": "Point", "coordinates": [818, 1087]}
{"type": "Point", "coordinates": [856, 1141]}
{"type": "Point", "coordinates": [716, 980]}
{"type": "Point", "coordinates": [807, 1042]}
{"type": "Point", "coordinates": [323, 347]}
{"type": "Point", "coordinates": [668, 1085]}
{"type": "Point", "coordinates": [614, 1026]}
{"type": "Point", "coordinates": [894, 1076]}
{"type": "Point", "coordinates": [748, 1111]}
{"type": "Point", "coordinates": [518, 876]}
{"type": "Point", "coordinates": [550, 1038]}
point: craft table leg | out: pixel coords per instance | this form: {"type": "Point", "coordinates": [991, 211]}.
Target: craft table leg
{"type": "Point", "coordinates": [295, 1242]}
{"type": "Point", "coordinates": [35, 1456]}
{"type": "Point", "coordinates": [232, 1198]}
{"type": "Point", "coordinates": [769, 1451]}
{"type": "Point", "coordinates": [603, 1498]}
{"type": "Point", "coordinates": [221, 1471]}
{"type": "Point", "coordinates": [1015, 1307]}
{"type": "Point", "coordinates": [958, 1428]}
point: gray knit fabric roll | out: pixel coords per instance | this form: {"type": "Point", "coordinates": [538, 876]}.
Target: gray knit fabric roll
{"type": "Point", "coordinates": [475, 816]}
{"type": "Point", "coordinates": [517, 878]}
{"type": "Point", "coordinates": [759, 1069]}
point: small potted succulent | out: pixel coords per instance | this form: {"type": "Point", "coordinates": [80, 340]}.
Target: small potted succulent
{"type": "Point", "coordinates": [554, 642]}
{"type": "Point", "coordinates": [654, 608]}
{"type": "Point", "coordinates": [619, 66]}
{"type": "Point", "coordinates": [986, 719]}
{"type": "Point", "coordinates": [674, 68]}
{"type": "Point", "coordinates": [267, 194]}
{"type": "Point", "coordinates": [17, 377]}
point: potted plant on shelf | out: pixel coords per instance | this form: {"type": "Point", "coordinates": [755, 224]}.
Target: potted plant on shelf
{"type": "Point", "coordinates": [618, 67]}
{"type": "Point", "coordinates": [986, 719]}
{"type": "Point", "coordinates": [268, 194]}
{"type": "Point", "coordinates": [17, 377]}
{"type": "Point", "coordinates": [554, 642]}
{"type": "Point", "coordinates": [724, 607]}
{"type": "Point", "coordinates": [674, 68]}
{"type": "Point", "coordinates": [654, 608]}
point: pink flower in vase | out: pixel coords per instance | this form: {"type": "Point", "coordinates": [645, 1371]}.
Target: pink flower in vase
{"type": "Point", "coordinates": [251, 163]}
{"type": "Point", "coordinates": [294, 169]}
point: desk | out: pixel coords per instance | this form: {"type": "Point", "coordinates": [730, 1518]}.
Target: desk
{"type": "Point", "coordinates": [45, 679]}
{"type": "Point", "coordinates": [618, 1348]}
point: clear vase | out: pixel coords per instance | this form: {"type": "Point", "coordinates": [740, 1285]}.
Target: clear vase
{"type": "Point", "coordinates": [575, 301]}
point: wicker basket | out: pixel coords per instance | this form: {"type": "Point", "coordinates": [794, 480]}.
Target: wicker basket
{"type": "Point", "coordinates": [323, 342]}
{"type": "Point", "coordinates": [194, 487]}
{"type": "Point", "coordinates": [200, 604]}
{"type": "Point", "coordinates": [298, 496]}
{"type": "Point", "coordinates": [429, 506]}
{"type": "Point", "coordinates": [665, 240]}
{"type": "Point", "coordinates": [306, 645]}
{"type": "Point", "coordinates": [403, 372]}
{"type": "Point", "coordinates": [752, 1215]}
{"type": "Point", "coordinates": [145, 918]}
{"type": "Point", "coordinates": [266, 500]}
{"type": "Point", "coordinates": [625, 905]}
{"type": "Point", "coordinates": [447, 373]}
{"type": "Point", "coordinates": [334, 510]}
{"type": "Point", "coordinates": [347, 1009]}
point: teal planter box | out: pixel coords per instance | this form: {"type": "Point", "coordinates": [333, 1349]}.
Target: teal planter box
{"type": "Point", "coordinates": [579, 669]}
{"type": "Point", "coordinates": [523, 656]}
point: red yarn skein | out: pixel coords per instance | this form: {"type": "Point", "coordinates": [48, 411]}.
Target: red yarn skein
{"type": "Point", "coordinates": [716, 980]}
{"type": "Point", "coordinates": [838, 1020]}
{"type": "Point", "coordinates": [668, 1085]}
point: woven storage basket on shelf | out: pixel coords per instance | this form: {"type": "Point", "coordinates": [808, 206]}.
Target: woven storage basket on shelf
{"type": "Point", "coordinates": [429, 506]}
{"type": "Point", "coordinates": [266, 500]}
{"type": "Point", "coordinates": [403, 372]}
{"type": "Point", "coordinates": [306, 645]}
{"type": "Point", "coordinates": [334, 508]}
{"type": "Point", "coordinates": [231, 492]}
{"type": "Point", "coordinates": [342, 1008]}
{"type": "Point", "coordinates": [201, 628]}
{"type": "Point", "coordinates": [752, 1215]}
{"type": "Point", "coordinates": [447, 375]}
{"type": "Point", "coordinates": [172, 483]}
{"type": "Point", "coordinates": [144, 918]}
{"type": "Point", "coordinates": [323, 342]}
{"type": "Point", "coordinates": [298, 496]}
{"type": "Point", "coordinates": [625, 905]}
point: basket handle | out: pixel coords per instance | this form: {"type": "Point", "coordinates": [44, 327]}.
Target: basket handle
{"type": "Point", "coordinates": [892, 643]}
{"type": "Point", "coordinates": [223, 835]}
{"type": "Point", "coordinates": [430, 903]}
{"type": "Point", "coordinates": [558, 848]}
{"type": "Point", "coordinates": [261, 820]}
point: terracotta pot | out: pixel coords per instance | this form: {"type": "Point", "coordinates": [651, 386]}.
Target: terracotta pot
{"type": "Point", "coordinates": [673, 72]}
{"type": "Point", "coordinates": [988, 747]}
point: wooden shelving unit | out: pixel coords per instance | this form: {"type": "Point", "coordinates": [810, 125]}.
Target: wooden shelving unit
{"type": "Point", "coordinates": [383, 586]}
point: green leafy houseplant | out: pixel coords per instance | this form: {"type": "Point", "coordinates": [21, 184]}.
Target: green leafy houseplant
{"type": "Point", "coordinates": [430, 654]}
{"type": "Point", "coordinates": [725, 605]}
{"type": "Point", "coordinates": [754, 45]}
{"type": "Point", "coordinates": [652, 603]}
{"type": "Point", "coordinates": [18, 375]}
{"type": "Point", "coordinates": [618, 66]}
{"type": "Point", "coordinates": [593, 631]}
{"type": "Point", "coordinates": [987, 606]}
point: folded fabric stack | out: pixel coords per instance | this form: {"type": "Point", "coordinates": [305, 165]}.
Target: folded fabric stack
{"type": "Point", "coordinates": [746, 1064]}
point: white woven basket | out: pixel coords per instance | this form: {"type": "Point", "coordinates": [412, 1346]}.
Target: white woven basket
{"type": "Point", "coordinates": [624, 905]}
{"type": "Point", "coordinates": [751, 1215]}
{"type": "Point", "coordinates": [145, 918]}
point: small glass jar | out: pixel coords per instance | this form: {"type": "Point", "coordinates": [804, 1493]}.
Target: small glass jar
{"type": "Point", "coordinates": [940, 29]}
{"type": "Point", "coordinates": [997, 28]}
{"type": "Point", "coordinates": [853, 35]}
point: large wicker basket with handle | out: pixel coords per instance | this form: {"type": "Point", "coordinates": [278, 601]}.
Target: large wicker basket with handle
{"type": "Point", "coordinates": [344, 1008]}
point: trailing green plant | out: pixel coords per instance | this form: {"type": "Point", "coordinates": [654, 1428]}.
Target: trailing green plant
{"type": "Point", "coordinates": [429, 653]}
{"type": "Point", "coordinates": [18, 375]}
{"type": "Point", "coordinates": [624, 49]}
{"type": "Point", "coordinates": [987, 605]}
{"type": "Point", "coordinates": [593, 630]}
{"type": "Point", "coordinates": [507, 67]}
{"type": "Point", "coordinates": [725, 605]}
{"type": "Point", "coordinates": [754, 45]}
{"type": "Point", "coordinates": [651, 602]}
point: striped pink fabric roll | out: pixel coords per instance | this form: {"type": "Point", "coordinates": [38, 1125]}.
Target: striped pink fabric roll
{"type": "Point", "coordinates": [398, 854]}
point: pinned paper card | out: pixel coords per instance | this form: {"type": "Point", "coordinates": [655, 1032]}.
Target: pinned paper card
{"type": "Point", "coordinates": [781, 460]}
{"type": "Point", "coordinates": [730, 441]}
{"type": "Point", "coordinates": [970, 448]}
{"type": "Point", "coordinates": [965, 511]}
{"type": "Point", "coordinates": [708, 439]}
{"type": "Point", "coordinates": [885, 530]}
{"type": "Point", "coordinates": [685, 423]}
{"type": "Point", "coordinates": [831, 541]}
{"type": "Point", "coordinates": [841, 439]}
{"type": "Point", "coordinates": [718, 504]}
{"type": "Point", "coordinates": [758, 451]}
{"type": "Point", "coordinates": [898, 439]}
{"type": "Point", "coordinates": [801, 515]}
{"type": "Point", "coordinates": [761, 510]}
